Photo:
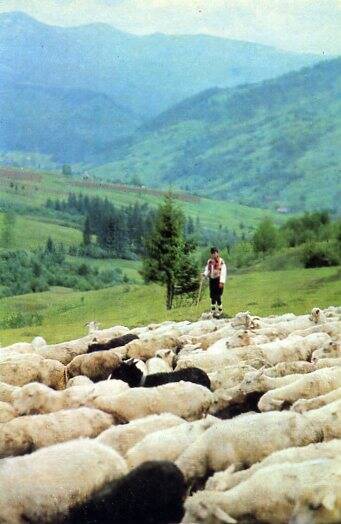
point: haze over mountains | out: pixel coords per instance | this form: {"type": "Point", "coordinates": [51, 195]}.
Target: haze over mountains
{"type": "Point", "coordinates": [122, 78]}
{"type": "Point", "coordinates": [174, 110]}
{"type": "Point", "coordinates": [275, 143]}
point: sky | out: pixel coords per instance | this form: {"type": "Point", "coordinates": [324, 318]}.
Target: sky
{"type": "Point", "coordinates": [296, 25]}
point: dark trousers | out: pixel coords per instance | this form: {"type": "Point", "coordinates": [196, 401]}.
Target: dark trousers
{"type": "Point", "coordinates": [215, 291]}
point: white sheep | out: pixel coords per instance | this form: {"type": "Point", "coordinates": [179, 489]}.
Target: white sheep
{"type": "Point", "coordinates": [6, 391]}
{"type": "Point", "coordinates": [146, 348]}
{"type": "Point", "coordinates": [79, 380]}
{"type": "Point", "coordinates": [260, 382]}
{"type": "Point", "coordinates": [35, 398]}
{"type": "Point", "coordinates": [24, 434]}
{"type": "Point", "coordinates": [289, 368]}
{"type": "Point", "coordinates": [224, 480]}
{"type": "Point", "coordinates": [185, 399]}
{"type": "Point", "coordinates": [245, 440]}
{"type": "Point", "coordinates": [303, 405]}
{"type": "Point", "coordinates": [125, 436]}
{"type": "Point", "coordinates": [22, 369]}
{"type": "Point", "coordinates": [96, 366]}
{"type": "Point", "coordinates": [38, 342]}
{"type": "Point", "coordinates": [157, 365]}
{"type": "Point", "coordinates": [7, 412]}
{"type": "Point", "coordinates": [331, 350]}
{"type": "Point", "coordinates": [229, 376]}
{"type": "Point", "coordinates": [308, 491]}
{"type": "Point", "coordinates": [317, 316]}
{"type": "Point", "coordinates": [169, 443]}
{"type": "Point", "coordinates": [45, 484]}
{"type": "Point", "coordinates": [309, 385]}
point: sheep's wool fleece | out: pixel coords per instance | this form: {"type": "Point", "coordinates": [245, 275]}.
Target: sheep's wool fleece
{"type": "Point", "coordinates": [53, 479]}
{"type": "Point", "coordinates": [185, 399]}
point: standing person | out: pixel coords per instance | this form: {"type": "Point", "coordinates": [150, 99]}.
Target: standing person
{"type": "Point", "coordinates": [215, 270]}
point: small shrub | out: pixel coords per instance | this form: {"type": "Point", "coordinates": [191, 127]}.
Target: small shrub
{"type": "Point", "coordinates": [323, 254]}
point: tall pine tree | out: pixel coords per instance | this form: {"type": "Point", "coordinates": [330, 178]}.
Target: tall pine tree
{"type": "Point", "coordinates": [165, 247]}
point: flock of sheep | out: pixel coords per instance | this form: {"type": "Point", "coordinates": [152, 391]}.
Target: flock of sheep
{"type": "Point", "coordinates": [216, 421]}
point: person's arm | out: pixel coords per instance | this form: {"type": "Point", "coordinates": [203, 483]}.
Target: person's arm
{"type": "Point", "coordinates": [206, 271]}
{"type": "Point", "coordinates": [222, 275]}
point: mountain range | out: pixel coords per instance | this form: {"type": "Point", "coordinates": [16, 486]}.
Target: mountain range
{"type": "Point", "coordinates": [272, 144]}
{"type": "Point", "coordinates": [71, 92]}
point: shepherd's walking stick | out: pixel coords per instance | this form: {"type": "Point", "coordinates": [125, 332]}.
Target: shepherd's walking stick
{"type": "Point", "coordinates": [199, 293]}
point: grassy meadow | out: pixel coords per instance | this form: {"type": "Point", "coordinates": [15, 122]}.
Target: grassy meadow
{"type": "Point", "coordinates": [64, 312]}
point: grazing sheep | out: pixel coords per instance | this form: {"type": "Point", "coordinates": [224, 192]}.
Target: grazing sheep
{"type": "Point", "coordinates": [317, 316]}
{"type": "Point", "coordinates": [327, 363]}
{"type": "Point", "coordinates": [125, 436]}
{"type": "Point", "coordinates": [224, 480]}
{"type": "Point", "coordinates": [96, 366]}
{"type": "Point", "coordinates": [153, 493]}
{"type": "Point", "coordinates": [289, 368]}
{"type": "Point", "coordinates": [79, 380]}
{"type": "Point", "coordinates": [157, 365]}
{"type": "Point", "coordinates": [22, 369]}
{"type": "Point", "coordinates": [25, 434]}
{"type": "Point", "coordinates": [169, 443]}
{"type": "Point", "coordinates": [39, 342]}
{"type": "Point", "coordinates": [331, 350]}
{"type": "Point", "coordinates": [130, 372]}
{"type": "Point", "coordinates": [309, 385]}
{"type": "Point", "coordinates": [6, 391]}
{"type": "Point", "coordinates": [7, 412]}
{"type": "Point", "coordinates": [302, 492]}
{"type": "Point", "coordinates": [37, 398]}
{"type": "Point", "coordinates": [302, 405]}
{"type": "Point", "coordinates": [146, 348]}
{"type": "Point", "coordinates": [92, 326]}
{"type": "Point", "coordinates": [167, 355]}
{"type": "Point", "coordinates": [242, 320]}
{"type": "Point", "coordinates": [245, 440]}
{"type": "Point", "coordinates": [185, 399]}
{"type": "Point", "coordinates": [116, 342]}
{"type": "Point", "coordinates": [43, 486]}
{"type": "Point", "coordinates": [229, 376]}
{"type": "Point", "coordinates": [258, 381]}
{"type": "Point", "coordinates": [195, 375]}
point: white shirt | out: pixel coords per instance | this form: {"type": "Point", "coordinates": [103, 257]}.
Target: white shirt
{"type": "Point", "coordinates": [222, 278]}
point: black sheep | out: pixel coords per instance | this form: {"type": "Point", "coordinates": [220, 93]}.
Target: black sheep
{"type": "Point", "coordinates": [128, 372]}
{"type": "Point", "coordinates": [112, 343]}
{"type": "Point", "coordinates": [196, 375]}
{"type": "Point", "coordinates": [152, 493]}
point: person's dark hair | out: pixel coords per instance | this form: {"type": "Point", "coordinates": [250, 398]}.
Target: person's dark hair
{"type": "Point", "coordinates": [214, 250]}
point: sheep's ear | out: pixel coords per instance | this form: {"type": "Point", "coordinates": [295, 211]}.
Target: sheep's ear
{"type": "Point", "coordinates": [129, 362]}
{"type": "Point", "coordinates": [223, 517]}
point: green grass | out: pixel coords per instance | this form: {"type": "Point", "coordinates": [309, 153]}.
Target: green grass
{"type": "Point", "coordinates": [31, 233]}
{"type": "Point", "coordinates": [34, 192]}
{"type": "Point", "coordinates": [129, 267]}
{"type": "Point", "coordinates": [65, 312]}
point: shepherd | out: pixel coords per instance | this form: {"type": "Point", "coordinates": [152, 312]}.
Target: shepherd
{"type": "Point", "coordinates": [215, 271]}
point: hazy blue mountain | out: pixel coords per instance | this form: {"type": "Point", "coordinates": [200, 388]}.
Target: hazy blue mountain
{"type": "Point", "coordinates": [276, 143]}
{"type": "Point", "coordinates": [148, 74]}
{"type": "Point", "coordinates": [71, 125]}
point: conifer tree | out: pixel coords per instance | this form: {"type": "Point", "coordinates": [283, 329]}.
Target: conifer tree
{"type": "Point", "coordinates": [165, 247]}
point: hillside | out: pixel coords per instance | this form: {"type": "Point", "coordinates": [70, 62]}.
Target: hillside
{"type": "Point", "coordinates": [63, 311]}
{"type": "Point", "coordinates": [26, 192]}
{"type": "Point", "coordinates": [116, 77]}
{"type": "Point", "coordinates": [270, 144]}
{"type": "Point", "coordinates": [67, 124]}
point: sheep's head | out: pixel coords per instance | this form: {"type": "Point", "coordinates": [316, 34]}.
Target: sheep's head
{"type": "Point", "coordinates": [167, 355]}
{"type": "Point", "coordinates": [92, 326]}
{"type": "Point", "coordinates": [242, 319]}
{"type": "Point", "coordinates": [30, 399]}
{"type": "Point", "coordinates": [253, 381]}
{"type": "Point", "coordinates": [331, 350]}
{"type": "Point", "coordinates": [239, 339]}
{"type": "Point", "coordinates": [317, 315]}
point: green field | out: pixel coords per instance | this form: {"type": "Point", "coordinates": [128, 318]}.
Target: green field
{"type": "Point", "coordinates": [64, 311]}
{"type": "Point", "coordinates": [29, 192]}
